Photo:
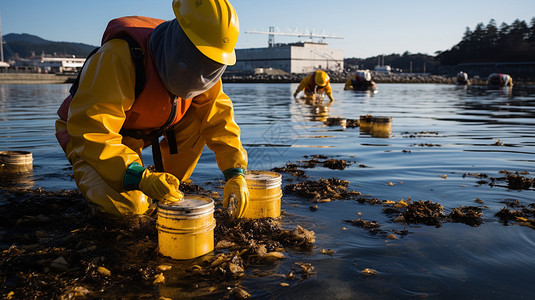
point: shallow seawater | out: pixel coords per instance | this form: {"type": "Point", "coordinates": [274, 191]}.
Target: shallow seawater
{"type": "Point", "coordinates": [439, 133]}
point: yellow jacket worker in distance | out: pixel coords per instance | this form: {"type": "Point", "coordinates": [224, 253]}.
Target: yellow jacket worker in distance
{"type": "Point", "coordinates": [314, 83]}
{"type": "Point", "coordinates": [108, 122]}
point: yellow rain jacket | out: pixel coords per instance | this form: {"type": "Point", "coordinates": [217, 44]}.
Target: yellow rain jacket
{"type": "Point", "coordinates": [309, 86]}
{"type": "Point", "coordinates": [99, 110]}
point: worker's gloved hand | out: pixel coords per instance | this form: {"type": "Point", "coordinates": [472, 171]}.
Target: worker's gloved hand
{"type": "Point", "coordinates": [236, 188]}
{"type": "Point", "coordinates": [160, 186]}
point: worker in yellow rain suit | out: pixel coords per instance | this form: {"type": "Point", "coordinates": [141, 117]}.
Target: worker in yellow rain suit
{"type": "Point", "coordinates": [107, 123]}
{"type": "Point", "coordinates": [315, 83]}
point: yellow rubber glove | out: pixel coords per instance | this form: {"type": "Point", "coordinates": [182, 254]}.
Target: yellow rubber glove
{"type": "Point", "coordinates": [236, 186]}
{"type": "Point", "coordinates": [160, 186]}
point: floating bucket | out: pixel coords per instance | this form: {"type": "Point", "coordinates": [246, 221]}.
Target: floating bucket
{"type": "Point", "coordinates": [16, 161]}
{"type": "Point", "coordinates": [264, 194]}
{"type": "Point", "coordinates": [186, 228]}
{"type": "Point", "coordinates": [365, 123]}
{"type": "Point", "coordinates": [381, 127]}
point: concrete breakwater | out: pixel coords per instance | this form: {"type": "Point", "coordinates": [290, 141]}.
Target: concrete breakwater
{"type": "Point", "coordinates": [41, 78]}
{"type": "Point", "coordinates": [339, 78]}
{"type": "Point", "coordinates": [34, 78]}
{"type": "Point", "coordinates": [377, 77]}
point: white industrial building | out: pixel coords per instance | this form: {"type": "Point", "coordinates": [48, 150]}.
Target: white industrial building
{"type": "Point", "coordinates": [302, 57]}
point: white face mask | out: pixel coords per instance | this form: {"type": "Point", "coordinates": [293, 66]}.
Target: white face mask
{"type": "Point", "coordinates": [183, 69]}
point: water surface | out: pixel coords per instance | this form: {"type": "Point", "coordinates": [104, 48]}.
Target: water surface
{"type": "Point", "coordinates": [439, 133]}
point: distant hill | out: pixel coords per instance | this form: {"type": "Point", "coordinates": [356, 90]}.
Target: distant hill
{"type": "Point", "coordinates": [25, 45]}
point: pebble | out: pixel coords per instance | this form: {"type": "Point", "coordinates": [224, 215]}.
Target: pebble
{"type": "Point", "coordinates": [60, 264]}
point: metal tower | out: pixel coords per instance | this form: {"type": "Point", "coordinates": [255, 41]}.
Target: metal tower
{"type": "Point", "coordinates": [271, 35]}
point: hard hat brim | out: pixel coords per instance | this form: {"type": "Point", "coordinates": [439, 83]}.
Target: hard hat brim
{"type": "Point", "coordinates": [215, 54]}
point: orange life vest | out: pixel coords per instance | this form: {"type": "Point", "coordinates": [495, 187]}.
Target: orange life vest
{"type": "Point", "coordinates": [153, 109]}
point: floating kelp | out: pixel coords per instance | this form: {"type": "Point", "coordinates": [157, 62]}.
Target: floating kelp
{"type": "Point", "coordinates": [515, 180]}
{"type": "Point", "coordinates": [420, 134]}
{"type": "Point", "coordinates": [430, 213]}
{"type": "Point", "coordinates": [522, 215]}
{"type": "Point", "coordinates": [331, 188]}
{"type": "Point", "coordinates": [292, 169]}
{"type": "Point", "coordinates": [470, 215]}
{"type": "Point", "coordinates": [312, 162]}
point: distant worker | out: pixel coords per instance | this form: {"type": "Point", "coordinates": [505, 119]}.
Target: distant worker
{"type": "Point", "coordinates": [500, 80]}
{"type": "Point", "coordinates": [115, 112]}
{"type": "Point", "coordinates": [462, 78]}
{"type": "Point", "coordinates": [315, 83]}
{"type": "Point", "coordinates": [360, 81]}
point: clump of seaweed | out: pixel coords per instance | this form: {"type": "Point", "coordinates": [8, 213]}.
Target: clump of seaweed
{"type": "Point", "coordinates": [524, 214]}
{"type": "Point", "coordinates": [58, 247]}
{"type": "Point", "coordinates": [331, 188]}
{"type": "Point", "coordinates": [430, 213]}
{"type": "Point", "coordinates": [515, 180]}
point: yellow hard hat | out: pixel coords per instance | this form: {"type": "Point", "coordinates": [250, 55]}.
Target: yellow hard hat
{"type": "Point", "coordinates": [211, 25]}
{"type": "Point", "coordinates": [321, 78]}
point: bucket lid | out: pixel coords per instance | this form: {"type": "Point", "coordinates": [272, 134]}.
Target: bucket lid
{"type": "Point", "coordinates": [382, 119]}
{"type": "Point", "coordinates": [366, 117]}
{"type": "Point", "coordinates": [15, 155]}
{"type": "Point", "coordinates": [265, 179]}
{"type": "Point", "coordinates": [190, 203]}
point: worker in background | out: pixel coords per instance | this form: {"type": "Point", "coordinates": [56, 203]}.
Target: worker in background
{"type": "Point", "coordinates": [462, 79]}
{"type": "Point", "coordinates": [315, 83]}
{"type": "Point", "coordinates": [106, 125]}
{"type": "Point", "coordinates": [360, 81]}
{"type": "Point", "coordinates": [500, 80]}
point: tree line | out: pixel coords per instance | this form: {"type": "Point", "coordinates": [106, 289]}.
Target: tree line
{"type": "Point", "coordinates": [406, 62]}
{"type": "Point", "coordinates": [490, 43]}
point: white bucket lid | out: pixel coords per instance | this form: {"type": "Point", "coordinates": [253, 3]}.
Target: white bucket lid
{"type": "Point", "coordinates": [191, 204]}
{"type": "Point", "coordinates": [263, 179]}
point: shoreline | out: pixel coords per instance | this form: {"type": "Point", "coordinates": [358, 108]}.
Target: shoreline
{"type": "Point", "coordinates": [377, 78]}
{"type": "Point", "coordinates": [35, 78]}
{"type": "Point", "coordinates": [41, 78]}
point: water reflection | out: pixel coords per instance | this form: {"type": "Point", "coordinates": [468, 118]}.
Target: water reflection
{"type": "Point", "coordinates": [318, 107]}
{"type": "Point", "coordinates": [363, 94]}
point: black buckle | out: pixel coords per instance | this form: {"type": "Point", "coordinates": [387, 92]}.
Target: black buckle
{"type": "Point", "coordinates": [137, 53]}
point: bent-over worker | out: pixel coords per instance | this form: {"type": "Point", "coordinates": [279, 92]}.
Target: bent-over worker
{"type": "Point", "coordinates": [106, 124]}
{"type": "Point", "coordinates": [316, 82]}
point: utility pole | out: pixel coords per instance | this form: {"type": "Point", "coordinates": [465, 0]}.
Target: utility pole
{"type": "Point", "coordinates": [1, 42]}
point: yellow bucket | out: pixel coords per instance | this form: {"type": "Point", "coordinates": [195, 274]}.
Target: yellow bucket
{"type": "Point", "coordinates": [16, 161]}
{"type": "Point", "coordinates": [264, 194]}
{"type": "Point", "coordinates": [365, 123]}
{"type": "Point", "coordinates": [381, 127]}
{"type": "Point", "coordinates": [186, 228]}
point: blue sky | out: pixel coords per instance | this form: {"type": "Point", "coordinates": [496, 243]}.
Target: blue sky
{"type": "Point", "coordinates": [369, 27]}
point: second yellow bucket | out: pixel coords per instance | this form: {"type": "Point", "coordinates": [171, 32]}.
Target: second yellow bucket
{"type": "Point", "coordinates": [186, 228]}
{"type": "Point", "coordinates": [264, 194]}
